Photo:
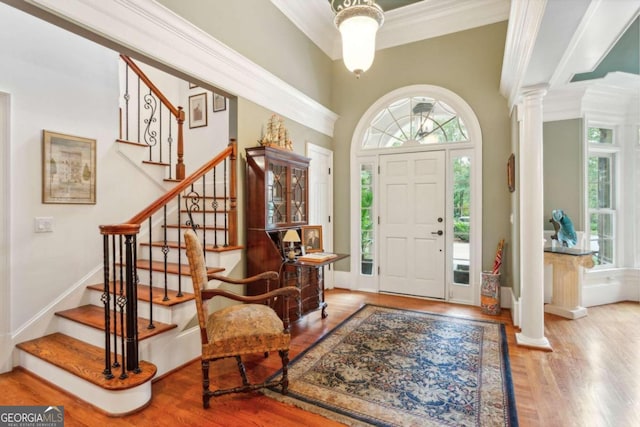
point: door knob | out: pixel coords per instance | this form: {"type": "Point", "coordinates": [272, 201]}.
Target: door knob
{"type": "Point", "coordinates": [439, 232]}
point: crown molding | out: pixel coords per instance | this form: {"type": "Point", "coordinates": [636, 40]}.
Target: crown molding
{"type": "Point", "coordinates": [419, 21]}
{"type": "Point", "coordinates": [150, 29]}
{"type": "Point", "coordinates": [613, 98]}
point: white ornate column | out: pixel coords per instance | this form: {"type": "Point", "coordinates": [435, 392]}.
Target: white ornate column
{"type": "Point", "coordinates": [531, 223]}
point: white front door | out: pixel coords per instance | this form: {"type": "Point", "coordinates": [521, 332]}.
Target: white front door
{"type": "Point", "coordinates": [412, 224]}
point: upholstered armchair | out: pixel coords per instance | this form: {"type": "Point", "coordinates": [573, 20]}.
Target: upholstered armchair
{"type": "Point", "coordinates": [241, 329]}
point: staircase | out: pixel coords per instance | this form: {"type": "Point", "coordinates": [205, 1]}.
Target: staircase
{"type": "Point", "coordinates": [139, 322]}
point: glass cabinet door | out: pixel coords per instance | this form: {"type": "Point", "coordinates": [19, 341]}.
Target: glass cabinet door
{"type": "Point", "coordinates": [276, 194]}
{"type": "Point", "coordinates": [298, 203]}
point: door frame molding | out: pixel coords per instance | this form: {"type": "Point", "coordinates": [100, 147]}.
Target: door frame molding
{"type": "Point", "coordinates": [6, 348]}
{"type": "Point", "coordinates": [326, 231]}
{"type": "Point", "coordinates": [464, 110]}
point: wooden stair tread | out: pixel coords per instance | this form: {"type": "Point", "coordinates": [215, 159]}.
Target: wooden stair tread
{"type": "Point", "coordinates": [84, 360]}
{"type": "Point", "coordinates": [93, 316]}
{"type": "Point", "coordinates": [158, 294]}
{"type": "Point", "coordinates": [208, 248]}
{"type": "Point", "coordinates": [172, 267]}
{"type": "Point", "coordinates": [137, 144]}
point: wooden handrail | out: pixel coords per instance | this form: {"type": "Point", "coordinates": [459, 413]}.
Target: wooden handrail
{"type": "Point", "coordinates": [177, 112]}
{"type": "Point", "coordinates": [174, 110]}
{"type": "Point", "coordinates": [230, 151]}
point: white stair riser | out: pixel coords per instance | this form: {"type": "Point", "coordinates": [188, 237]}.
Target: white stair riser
{"type": "Point", "coordinates": [174, 256]}
{"type": "Point", "coordinates": [173, 233]}
{"type": "Point", "coordinates": [178, 314]}
{"type": "Point", "coordinates": [158, 280]}
{"type": "Point", "coordinates": [172, 349]}
{"type": "Point", "coordinates": [112, 402]}
{"type": "Point", "coordinates": [167, 351]}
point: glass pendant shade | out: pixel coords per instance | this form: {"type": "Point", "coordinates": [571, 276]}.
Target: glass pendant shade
{"type": "Point", "coordinates": [358, 26]}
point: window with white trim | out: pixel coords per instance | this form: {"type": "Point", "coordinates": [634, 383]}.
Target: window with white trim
{"type": "Point", "coordinates": [601, 194]}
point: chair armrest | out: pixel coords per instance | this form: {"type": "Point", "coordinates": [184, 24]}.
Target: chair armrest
{"type": "Point", "coordinates": [287, 291]}
{"type": "Point", "coordinates": [267, 275]}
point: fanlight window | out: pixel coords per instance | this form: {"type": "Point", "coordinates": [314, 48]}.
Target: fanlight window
{"type": "Point", "coordinates": [418, 120]}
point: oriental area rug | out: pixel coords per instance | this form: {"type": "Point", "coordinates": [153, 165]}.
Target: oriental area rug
{"type": "Point", "coordinates": [390, 367]}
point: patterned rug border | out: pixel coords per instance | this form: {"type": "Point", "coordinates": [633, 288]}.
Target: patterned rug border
{"type": "Point", "coordinates": [351, 419]}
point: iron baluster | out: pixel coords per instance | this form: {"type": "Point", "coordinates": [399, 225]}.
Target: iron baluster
{"type": "Point", "coordinates": [138, 103]}
{"type": "Point", "coordinates": [165, 251]}
{"type": "Point", "coordinates": [127, 97]}
{"type": "Point", "coordinates": [115, 283]}
{"type": "Point", "coordinates": [224, 178]}
{"type": "Point", "coordinates": [106, 303]}
{"type": "Point", "coordinates": [160, 133]}
{"type": "Point", "coordinates": [151, 325]}
{"type": "Point", "coordinates": [204, 217]}
{"type": "Point", "coordinates": [132, 306]}
{"type": "Point", "coordinates": [150, 135]}
{"type": "Point", "coordinates": [170, 141]}
{"type": "Point", "coordinates": [214, 205]}
{"type": "Point", "coordinates": [122, 300]}
{"type": "Point", "coordinates": [179, 249]}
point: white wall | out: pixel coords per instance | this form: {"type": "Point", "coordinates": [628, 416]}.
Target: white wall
{"type": "Point", "coordinates": [59, 82]}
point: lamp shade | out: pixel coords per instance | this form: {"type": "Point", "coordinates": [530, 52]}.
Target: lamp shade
{"type": "Point", "coordinates": [291, 236]}
{"type": "Point", "coordinates": [358, 26]}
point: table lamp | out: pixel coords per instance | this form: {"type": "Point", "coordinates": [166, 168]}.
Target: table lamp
{"type": "Point", "coordinates": [291, 237]}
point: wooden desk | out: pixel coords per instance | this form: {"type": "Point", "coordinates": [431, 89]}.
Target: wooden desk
{"type": "Point", "coordinates": [309, 278]}
{"type": "Point", "coordinates": [567, 280]}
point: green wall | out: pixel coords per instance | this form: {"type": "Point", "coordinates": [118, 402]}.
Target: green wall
{"type": "Point", "coordinates": [563, 170]}
{"type": "Point", "coordinates": [468, 63]}
{"type": "Point", "coordinates": [252, 118]}
{"type": "Point", "coordinates": [260, 32]}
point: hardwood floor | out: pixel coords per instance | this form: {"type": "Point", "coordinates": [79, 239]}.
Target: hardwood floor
{"type": "Point", "coordinates": [592, 378]}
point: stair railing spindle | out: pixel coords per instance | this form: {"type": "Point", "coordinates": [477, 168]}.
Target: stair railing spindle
{"type": "Point", "coordinates": [106, 302]}
{"type": "Point", "coordinates": [214, 205]}
{"type": "Point", "coordinates": [165, 251]}
{"type": "Point", "coordinates": [150, 325]}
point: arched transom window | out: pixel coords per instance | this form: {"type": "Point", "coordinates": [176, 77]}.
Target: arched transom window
{"type": "Point", "coordinates": [417, 120]}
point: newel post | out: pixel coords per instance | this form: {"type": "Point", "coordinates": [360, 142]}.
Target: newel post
{"type": "Point", "coordinates": [120, 283]}
{"type": "Point", "coordinates": [180, 169]}
{"type": "Point", "coordinates": [233, 195]}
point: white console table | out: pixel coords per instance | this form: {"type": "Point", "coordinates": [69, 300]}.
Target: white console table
{"type": "Point", "coordinates": [568, 264]}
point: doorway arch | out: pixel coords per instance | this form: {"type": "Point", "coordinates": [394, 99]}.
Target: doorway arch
{"type": "Point", "coordinates": [423, 100]}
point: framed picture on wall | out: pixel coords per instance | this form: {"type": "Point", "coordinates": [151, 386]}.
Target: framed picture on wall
{"type": "Point", "coordinates": [198, 110]}
{"type": "Point", "coordinates": [312, 238]}
{"type": "Point", "coordinates": [511, 173]}
{"type": "Point", "coordinates": [219, 102]}
{"type": "Point", "coordinates": [68, 169]}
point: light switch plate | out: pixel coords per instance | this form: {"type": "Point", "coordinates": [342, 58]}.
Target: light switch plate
{"type": "Point", "coordinates": [44, 224]}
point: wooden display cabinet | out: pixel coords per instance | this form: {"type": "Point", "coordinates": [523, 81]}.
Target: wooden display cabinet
{"type": "Point", "coordinates": [276, 200]}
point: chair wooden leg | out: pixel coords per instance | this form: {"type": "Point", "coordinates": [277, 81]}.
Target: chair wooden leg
{"type": "Point", "coordinates": [243, 372]}
{"type": "Point", "coordinates": [206, 394]}
{"type": "Point", "coordinates": [284, 355]}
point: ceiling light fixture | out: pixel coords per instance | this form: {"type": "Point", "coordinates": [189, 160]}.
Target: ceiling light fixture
{"type": "Point", "coordinates": [358, 22]}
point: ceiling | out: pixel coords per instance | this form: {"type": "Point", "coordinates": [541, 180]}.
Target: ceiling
{"type": "Point", "coordinates": [567, 37]}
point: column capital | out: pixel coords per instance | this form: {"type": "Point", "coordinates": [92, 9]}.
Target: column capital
{"type": "Point", "coordinates": [535, 91]}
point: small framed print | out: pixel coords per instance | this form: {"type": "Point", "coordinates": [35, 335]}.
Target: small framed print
{"type": "Point", "coordinates": [312, 238]}
{"type": "Point", "coordinates": [198, 110]}
{"type": "Point", "coordinates": [219, 102]}
{"type": "Point", "coordinates": [68, 169]}
{"type": "Point", "coordinates": [511, 173]}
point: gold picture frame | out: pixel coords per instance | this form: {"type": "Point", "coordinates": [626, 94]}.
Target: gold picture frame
{"type": "Point", "coordinates": [511, 173]}
{"type": "Point", "coordinates": [312, 238]}
{"type": "Point", "coordinates": [198, 110]}
{"type": "Point", "coordinates": [68, 169]}
{"type": "Point", "coordinates": [219, 102]}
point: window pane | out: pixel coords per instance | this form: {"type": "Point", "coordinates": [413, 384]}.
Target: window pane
{"type": "Point", "coordinates": [600, 135]}
{"type": "Point", "coordinates": [600, 184]}
{"type": "Point", "coordinates": [415, 120]}
{"type": "Point", "coordinates": [461, 219]}
{"type": "Point", "coordinates": [366, 219]}
{"type": "Point", "coordinates": [601, 227]}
